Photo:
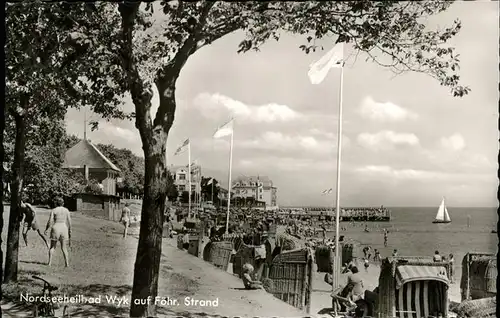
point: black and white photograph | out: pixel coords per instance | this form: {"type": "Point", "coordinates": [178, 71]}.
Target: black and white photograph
{"type": "Point", "coordinates": [250, 159]}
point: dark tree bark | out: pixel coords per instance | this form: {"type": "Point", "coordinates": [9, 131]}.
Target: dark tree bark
{"type": "Point", "coordinates": [147, 264]}
{"type": "Point", "coordinates": [11, 259]}
{"type": "Point", "coordinates": [154, 137]}
{"type": "Point", "coordinates": [2, 157]}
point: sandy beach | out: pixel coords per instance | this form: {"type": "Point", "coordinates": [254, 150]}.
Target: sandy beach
{"type": "Point", "coordinates": [102, 264]}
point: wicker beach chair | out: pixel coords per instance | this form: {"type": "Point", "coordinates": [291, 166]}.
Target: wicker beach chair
{"type": "Point", "coordinates": [413, 287]}
{"type": "Point", "coordinates": [479, 276]}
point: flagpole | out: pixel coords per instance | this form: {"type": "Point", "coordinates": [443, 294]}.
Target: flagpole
{"type": "Point", "coordinates": [337, 264]}
{"type": "Point", "coordinates": [166, 168]}
{"type": "Point", "coordinates": [189, 176]}
{"type": "Point", "coordinates": [229, 183]}
{"type": "Point", "coordinates": [213, 151]}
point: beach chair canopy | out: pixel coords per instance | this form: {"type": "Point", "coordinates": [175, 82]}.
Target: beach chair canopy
{"type": "Point", "coordinates": [411, 273]}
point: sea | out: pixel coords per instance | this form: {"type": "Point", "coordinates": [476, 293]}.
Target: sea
{"type": "Point", "coordinates": [412, 232]}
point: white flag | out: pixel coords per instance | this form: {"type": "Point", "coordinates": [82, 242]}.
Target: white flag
{"type": "Point", "coordinates": [195, 169]}
{"type": "Point", "coordinates": [193, 164]}
{"type": "Point", "coordinates": [224, 130]}
{"type": "Point", "coordinates": [319, 69]}
{"type": "Point", "coordinates": [182, 148]}
{"type": "Point", "coordinates": [210, 181]}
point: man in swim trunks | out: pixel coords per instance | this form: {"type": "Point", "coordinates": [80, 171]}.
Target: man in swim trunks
{"type": "Point", "coordinates": [59, 224]}
{"type": "Point", "coordinates": [28, 214]}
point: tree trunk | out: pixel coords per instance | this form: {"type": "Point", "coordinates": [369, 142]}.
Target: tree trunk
{"type": "Point", "coordinates": [2, 158]}
{"type": "Point", "coordinates": [147, 264]}
{"type": "Point", "coordinates": [11, 259]}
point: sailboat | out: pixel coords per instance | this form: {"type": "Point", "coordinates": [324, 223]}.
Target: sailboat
{"type": "Point", "coordinates": [442, 215]}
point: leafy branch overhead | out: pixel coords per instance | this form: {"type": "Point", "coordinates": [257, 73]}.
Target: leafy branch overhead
{"type": "Point", "coordinates": [49, 62]}
{"type": "Point", "coordinates": [163, 35]}
{"type": "Point", "coordinates": [392, 34]}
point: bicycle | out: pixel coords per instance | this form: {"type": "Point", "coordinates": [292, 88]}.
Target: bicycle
{"type": "Point", "coordinates": [47, 308]}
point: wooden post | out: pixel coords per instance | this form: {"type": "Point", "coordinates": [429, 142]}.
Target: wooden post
{"type": "Point", "coordinates": [446, 302]}
{"type": "Point", "coordinates": [304, 287]}
{"type": "Point", "coordinates": [310, 283]}
{"type": "Point", "coordinates": [467, 292]}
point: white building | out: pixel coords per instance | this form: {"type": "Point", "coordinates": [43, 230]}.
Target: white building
{"type": "Point", "coordinates": [260, 188]}
{"type": "Point", "coordinates": [181, 180]}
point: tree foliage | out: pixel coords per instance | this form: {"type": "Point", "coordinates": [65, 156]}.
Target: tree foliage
{"type": "Point", "coordinates": [131, 166]}
{"type": "Point", "coordinates": [127, 52]}
{"type": "Point", "coordinates": [207, 189]}
{"type": "Point", "coordinates": [184, 197]}
{"type": "Point", "coordinates": [48, 70]}
{"type": "Point", "coordinates": [172, 192]}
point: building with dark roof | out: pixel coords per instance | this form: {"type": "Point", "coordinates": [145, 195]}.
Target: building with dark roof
{"type": "Point", "coordinates": [93, 164]}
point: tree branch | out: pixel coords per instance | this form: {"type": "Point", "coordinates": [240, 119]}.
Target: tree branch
{"type": "Point", "coordinates": [167, 75]}
{"type": "Point", "coordinates": [141, 95]}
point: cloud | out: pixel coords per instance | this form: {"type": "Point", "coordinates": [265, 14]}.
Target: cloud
{"type": "Point", "coordinates": [123, 133]}
{"type": "Point", "coordinates": [318, 132]}
{"type": "Point", "coordinates": [387, 139]}
{"type": "Point", "coordinates": [413, 174]}
{"type": "Point", "coordinates": [215, 105]}
{"type": "Point", "coordinates": [429, 176]}
{"type": "Point", "coordinates": [386, 111]}
{"type": "Point", "coordinates": [460, 162]}
{"type": "Point", "coordinates": [454, 142]}
{"type": "Point", "coordinates": [287, 164]}
{"type": "Point", "coordinates": [272, 140]}
{"type": "Point", "coordinates": [477, 160]}
{"type": "Point", "coordinates": [397, 173]}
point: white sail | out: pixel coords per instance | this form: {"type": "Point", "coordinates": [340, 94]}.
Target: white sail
{"type": "Point", "coordinates": [446, 215]}
{"type": "Point", "coordinates": [440, 216]}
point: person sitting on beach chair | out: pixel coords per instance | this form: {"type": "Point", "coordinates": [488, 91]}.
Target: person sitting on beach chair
{"type": "Point", "coordinates": [247, 278]}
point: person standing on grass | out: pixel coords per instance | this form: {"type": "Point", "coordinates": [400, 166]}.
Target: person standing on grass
{"type": "Point", "coordinates": [125, 219]}
{"type": "Point", "coordinates": [59, 224]}
{"type": "Point", "coordinates": [28, 214]}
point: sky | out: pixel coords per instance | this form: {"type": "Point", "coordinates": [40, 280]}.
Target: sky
{"type": "Point", "coordinates": [406, 141]}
